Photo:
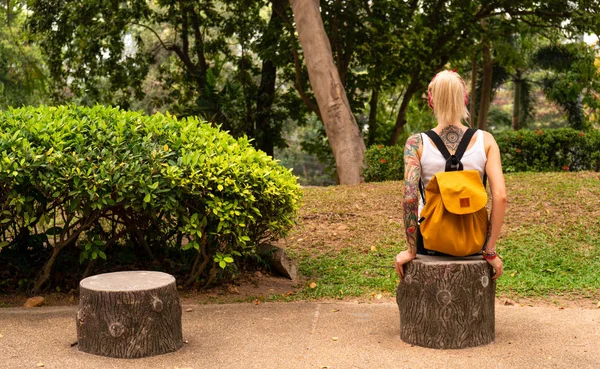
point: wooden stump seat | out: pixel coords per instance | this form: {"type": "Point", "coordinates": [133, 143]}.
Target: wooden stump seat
{"type": "Point", "coordinates": [129, 314]}
{"type": "Point", "coordinates": [446, 302]}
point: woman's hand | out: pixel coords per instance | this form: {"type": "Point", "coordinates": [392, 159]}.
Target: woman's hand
{"type": "Point", "coordinates": [401, 259]}
{"type": "Point", "coordinates": [496, 263]}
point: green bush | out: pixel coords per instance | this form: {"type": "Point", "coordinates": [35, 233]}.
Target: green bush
{"type": "Point", "coordinates": [551, 150]}
{"type": "Point", "coordinates": [384, 163]}
{"type": "Point", "coordinates": [562, 149]}
{"type": "Point", "coordinates": [92, 180]}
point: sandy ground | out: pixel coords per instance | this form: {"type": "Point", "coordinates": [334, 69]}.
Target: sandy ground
{"type": "Point", "coordinates": [311, 335]}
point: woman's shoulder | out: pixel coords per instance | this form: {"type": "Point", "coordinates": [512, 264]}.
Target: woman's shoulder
{"type": "Point", "coordinates": [414, 139]}
{"type": "Point", "coordinates": [488, 140]}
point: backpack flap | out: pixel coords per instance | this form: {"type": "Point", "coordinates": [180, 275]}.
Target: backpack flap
{"type": "Point", "coordinates": [462, 192]}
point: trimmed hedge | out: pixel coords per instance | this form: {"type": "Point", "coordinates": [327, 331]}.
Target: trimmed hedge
{"type": "Point", "coordinates": [384, 163]}
{"type": "Point", "coordinates": [92, 179]}
{"type": "Point", "coordinates": [562, 149]}
{"type": "Point", "coordinates": [551, 150]}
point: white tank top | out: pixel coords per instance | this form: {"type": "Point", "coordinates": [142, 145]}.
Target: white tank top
{"type": "Point", "coordinates": [432, 160]}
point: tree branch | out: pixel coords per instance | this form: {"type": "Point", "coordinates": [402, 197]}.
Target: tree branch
{"type": "Point", "coordinates": [185, 43]}
{"type": "Point", "coordinates": [155, 34]}
{"type": "Point", "coordinates": [198, 42]}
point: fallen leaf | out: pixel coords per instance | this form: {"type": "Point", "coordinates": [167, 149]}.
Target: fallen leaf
{"type": "Point", "coordinates": [334, 338]}
{"type": "Point", "coordinates": [598, 306]}
{"type": "Point", "coordinates": [40, 365]}
{"type": "Point", "coordinates": [373, 248]}
{"type": "Point", "coordinates": [36, 301]}
{"type": "Point", "coordinates": [256, 302]}
{"type": "Point", "coordinates": [313, 285]}
{"type": "Point", "coordinates": [188, 310]}
{"type": "Point", "coordinates": [1, 335]}
{"type": "Point", "coordinates": [378, 296]}
{"type": "Point", "coordinates": [232, 289]}
{"type": "Point", "coordinates": [509, 302]}
{"type": "Point", "coordinates": [513, 274]}
{"type": "Point", "coordinates": [333, 311]}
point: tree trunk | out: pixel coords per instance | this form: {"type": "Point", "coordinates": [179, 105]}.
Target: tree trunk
{"type": "Point", "coordinates": [266, 90]}
{"type": "Point", "coordinates": [129, 315]}
{"type": "Point", "coordinates": [412, 88]}
{"type": "Point", "coordinates": [486, 86]}
{"type": "Point", "coordinates": [266, 95]}
{"type": "Point", "coordinates": [8, 13]}
{"type": "Point", "coordinates": [340, 125]}
{"type": "Point", "coordinates": [373, 116]}
{"type": "Point", "coordinates": [447, 302]}
{"type": "Point", "coordinates": [472, 112]}
{"type": "Point", "coordinates": [517, 102]}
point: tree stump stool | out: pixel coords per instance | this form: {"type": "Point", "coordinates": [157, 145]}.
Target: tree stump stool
{"type": "Point", "coordinates": [129, 315]}
{"type": "Point", "coordinates": [446, 302]}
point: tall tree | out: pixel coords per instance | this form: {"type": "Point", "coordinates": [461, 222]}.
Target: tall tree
{"type": "Point", "coordinates": [340, 125]}
{"type": "Point", "coordinates": [205, 55]}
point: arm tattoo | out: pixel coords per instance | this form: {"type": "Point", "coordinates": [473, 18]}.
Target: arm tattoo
{"type": "Point", "coordinates": [412, 175]}
{"type": "Point", "coordinates": [451, 135]}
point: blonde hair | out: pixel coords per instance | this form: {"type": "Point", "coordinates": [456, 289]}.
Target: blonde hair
{"type": "Point", "coordinates": [448, 93]}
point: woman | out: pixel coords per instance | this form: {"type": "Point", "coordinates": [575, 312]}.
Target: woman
{"type": "Point", "coordinates": [448, 98]}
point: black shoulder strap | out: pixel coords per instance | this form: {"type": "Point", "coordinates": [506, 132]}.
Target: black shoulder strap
{"type": "Point", "coordinates": [452, 161]}
{"type": "Point", "coordinates": [439, 143]}
{"type": "Point", "coordinates": [464, 143]}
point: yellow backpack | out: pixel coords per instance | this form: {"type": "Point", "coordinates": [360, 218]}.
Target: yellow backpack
{"type": "Point", "coordinates": [454, 219]}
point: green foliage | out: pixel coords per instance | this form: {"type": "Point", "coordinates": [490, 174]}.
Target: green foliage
{"type": "Point", "coordinates": [22, 71]}
{"type": "Point", "coordinates": [215, 59]}
{"type": "Point", "coordinates": [562, 149]}
{"type": "Point", "coordinates": [384, 163]}
{"type": "Point", "coordinates": [572, 79]}
{"type": "Point", "coordinates": [87, 178]}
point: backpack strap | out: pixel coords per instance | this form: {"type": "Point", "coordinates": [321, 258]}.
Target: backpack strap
{"type": "Point", "coordinates": [452, 161]}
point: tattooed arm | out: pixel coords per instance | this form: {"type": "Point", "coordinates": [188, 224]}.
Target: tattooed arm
{"type": "Point", "coordinates": [412, 175]}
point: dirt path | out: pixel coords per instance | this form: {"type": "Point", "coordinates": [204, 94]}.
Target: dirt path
{"type": "Point", "coordinates": [312, 335]}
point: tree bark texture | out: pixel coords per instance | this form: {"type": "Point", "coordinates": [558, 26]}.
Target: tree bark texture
{"type": "Point", "coordinates": [486, 85]}
{"type": "Point", "coordinates": [517, 103]}
{"type": "Point", "coordinates": [129, 315]}
{"type": "Point", "coordinates": [447, 303]}
{"type": "Point", "coordinates": [373, 116]}
{"type": "Point", "coordinates": [340, 125]}
{"type": "Point", "coordinates": [472, 112]}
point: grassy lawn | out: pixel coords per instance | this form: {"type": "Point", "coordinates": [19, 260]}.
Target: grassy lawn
{"type": "Point", "coordinates": [346, 238]}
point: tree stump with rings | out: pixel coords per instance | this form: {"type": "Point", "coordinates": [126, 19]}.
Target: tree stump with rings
{"type": "Point", "coordinates": [447, 302]}
{"type": "Point", "coordinates": [129, 315]}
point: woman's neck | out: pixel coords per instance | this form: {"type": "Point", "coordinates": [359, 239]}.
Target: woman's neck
{"type": "Point", "coordinates": [442, 126]}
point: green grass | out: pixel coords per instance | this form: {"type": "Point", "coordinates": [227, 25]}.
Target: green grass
{"type": "Point", "coordinates": [550, 242]}
{"type": "Point", "coordinates": [542, 261]}
{"type": "Point", "coordinates": [350, 273]}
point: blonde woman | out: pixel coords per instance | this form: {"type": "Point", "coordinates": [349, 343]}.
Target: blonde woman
{"type": "Point", "coordinates": [448, 98]}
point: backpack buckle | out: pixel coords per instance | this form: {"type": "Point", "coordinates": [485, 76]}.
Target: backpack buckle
{"type": "Point", "coordinates": [453, 164]}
